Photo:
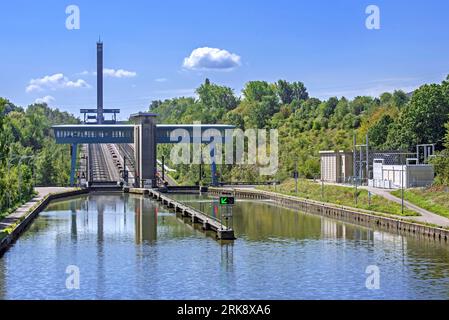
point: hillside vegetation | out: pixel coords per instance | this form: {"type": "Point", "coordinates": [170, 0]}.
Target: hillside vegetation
{"type": "Point", "coordinates": [393, 121]}
{"type": "Point", "coordinates": [28, 152]}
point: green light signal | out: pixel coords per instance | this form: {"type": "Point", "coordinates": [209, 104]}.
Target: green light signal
{"type": "Point", "coordinates": [227, 200]}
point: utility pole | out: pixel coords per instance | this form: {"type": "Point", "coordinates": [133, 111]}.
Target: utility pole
{"type": "Point", "coordinates": [322, 189]}
{"type": "Point", "coordinates": [369, 199]}
{"type": "Point", "coordinates": [20, 174]}
{"type": "Point", "coordinates": [296, 175]}
{"type": "Point", "coordinates": [402, 186]}
{"type": "Point", "coordinates": [354, 164]}
{"type": "Point", "coordinates": [367, 159]}
{"type": "Point", "coordinates": [200, 178]}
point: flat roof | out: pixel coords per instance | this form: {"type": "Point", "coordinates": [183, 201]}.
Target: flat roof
{"type": "Point", "coordinates": [143, 114]}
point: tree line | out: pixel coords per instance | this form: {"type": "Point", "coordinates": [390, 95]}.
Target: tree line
{"type": "Point", "coordinates": [393, 121]}
{"type": "Point", "coordinates": [306, 125]}
{"type": "Point", "coordinates": [29, 155]}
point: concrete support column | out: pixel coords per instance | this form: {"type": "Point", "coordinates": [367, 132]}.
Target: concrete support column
{"type": "Point", "coordinates": [213, 167]}
{"type": "Point", "coordinates": [145, 148]}
{"type": "Point", "coordinates": [73, 149]}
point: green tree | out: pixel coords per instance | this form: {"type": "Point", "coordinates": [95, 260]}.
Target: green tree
{"type": "Point", "coordinates": [378, 132]}
{"type": "Point", "coordinates": [422, 120]}
{"type": "Point", "coordinates": [256, 90]}
{"type": "Point", "coordinates": [299, 91]}
{"type": "Point", "coordinates": [284, 91]}
{"type": "Point", "coordinates": [441, 161]}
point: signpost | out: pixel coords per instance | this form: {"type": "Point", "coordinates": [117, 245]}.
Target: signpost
{"type": "Point", "coordinates": [226, 202]}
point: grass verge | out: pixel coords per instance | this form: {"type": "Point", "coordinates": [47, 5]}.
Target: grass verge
{"type": "Point", "coordinates": [434, 199]}
{"type": "Point", "coordinates": [340, 196]}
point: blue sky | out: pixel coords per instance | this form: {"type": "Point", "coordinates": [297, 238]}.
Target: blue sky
{"type": "Point", "coordinates": [324, 44]}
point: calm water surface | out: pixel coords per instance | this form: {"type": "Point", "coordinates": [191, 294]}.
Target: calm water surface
{"type": "Point", "coordinates": [129, 247]}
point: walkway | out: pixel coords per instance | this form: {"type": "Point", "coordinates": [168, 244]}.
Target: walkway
{"type": "Point", "coordinates": [426, 216]}
{"type": "Point", "coordinates": [15, 217]}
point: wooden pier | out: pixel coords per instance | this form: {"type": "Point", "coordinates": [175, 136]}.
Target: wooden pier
{"type": "Point", "coordinates": [196, 216]}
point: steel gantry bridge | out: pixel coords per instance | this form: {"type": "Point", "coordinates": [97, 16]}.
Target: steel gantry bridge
{"type": "Point", "coordinates": [144, 141]}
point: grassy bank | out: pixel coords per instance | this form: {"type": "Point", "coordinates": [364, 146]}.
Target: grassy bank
{"type": "Point", "coordinates": [435, 199]}
{"type": "Point", "coordinates": [339, 195]}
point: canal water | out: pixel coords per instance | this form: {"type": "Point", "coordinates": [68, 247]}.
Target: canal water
{"type": "Point", "coordinates": [130, 247]}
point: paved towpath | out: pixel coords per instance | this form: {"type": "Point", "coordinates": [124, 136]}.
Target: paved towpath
{"type": "Point", "coordinates": [14, 217]}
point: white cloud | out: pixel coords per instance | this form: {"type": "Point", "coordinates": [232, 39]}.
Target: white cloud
{"type": "Point", "coordinates": [120, 73]}
{"type": "Point", "coordinates": [53, 82]}
{"type": "Point", "coordinates": [161, 80]}
{"type": "Point", "coordinates": [46, 100]}
{"type": "Point", "coordinates": [211, 59]}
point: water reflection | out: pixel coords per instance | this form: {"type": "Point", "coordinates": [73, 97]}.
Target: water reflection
{"type": "Point", "coordinates": [145, 220]}
{"type": "Point", "coordinates": [128, 246]}
{"type": "Point", "coordinates": [227, 256]}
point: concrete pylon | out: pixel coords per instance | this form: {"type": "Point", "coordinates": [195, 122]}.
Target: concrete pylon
{"type": "Point", "coordinates": [100, 116]}
{"type": "Point", "coordinates": [145, 149]}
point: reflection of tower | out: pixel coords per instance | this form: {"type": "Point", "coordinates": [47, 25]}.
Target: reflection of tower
{"type": "Point", "coordinates": [100, 117]}
{"type": "Point", "coordinates": [100, 244]}
{"type": "Point", "coordinates": [100, 222]}
{"type": "Point", "coordinates": [145, 221]}
{"type": "Point", "coordinates": [73, 227]}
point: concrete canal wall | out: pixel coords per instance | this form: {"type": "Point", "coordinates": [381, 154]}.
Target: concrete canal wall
{"type": "Point", "coordinates": [357, 216]}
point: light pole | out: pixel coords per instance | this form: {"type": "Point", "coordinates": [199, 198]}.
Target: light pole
{"type": "Point", "coordinates": [296, 176]}
{"type": "Point", "coordinates": [322, 189]}
{"type": "Point", "coordinates": [10, 159]}
{"type": "Point", "coordinates": [20, 173]}
{"type": "Point", "coordinates": [402, 186]}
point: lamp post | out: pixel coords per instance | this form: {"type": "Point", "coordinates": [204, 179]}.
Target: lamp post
{"type": "Point", "coordinates": [20, 173]}
{"type": "Point", "coordinates": [296, 176]}
{"type": "Point", "coordinates": [402, 186]}
{"type": "Point", "coordinates": [10, 160]}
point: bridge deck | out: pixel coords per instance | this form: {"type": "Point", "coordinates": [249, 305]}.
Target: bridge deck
{"type": "Point", "coordinates": [124, 133]}
{"type": "Point", "coordinates": [208, 222]}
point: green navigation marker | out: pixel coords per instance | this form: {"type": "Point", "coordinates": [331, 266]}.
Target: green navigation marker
{"type": "Point", "coordinates": [227, 200]}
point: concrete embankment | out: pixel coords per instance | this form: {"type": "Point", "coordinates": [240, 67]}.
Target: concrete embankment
{"type": "Point", "coordinates": [14, 225]}
{"type": "Point", "coordinates": [357, 216]}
